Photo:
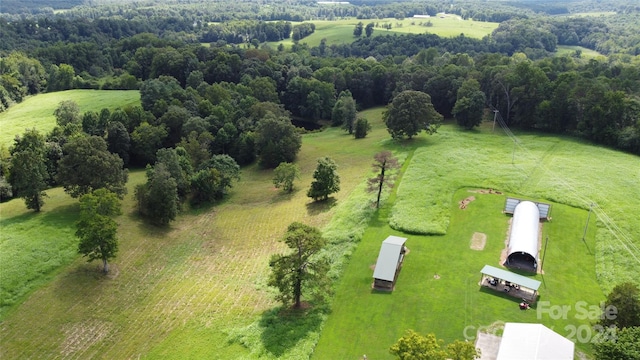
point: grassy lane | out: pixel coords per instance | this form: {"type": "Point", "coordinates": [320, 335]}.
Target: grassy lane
{"type": "Point", "coordinates": [37, 111]}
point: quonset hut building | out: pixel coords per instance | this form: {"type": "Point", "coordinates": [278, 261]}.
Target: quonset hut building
{"type": "Point", "coordinates": [523, 238]}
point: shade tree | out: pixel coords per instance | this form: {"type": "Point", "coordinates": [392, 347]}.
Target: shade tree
{"type": "Point", "coordinates": [157, 199]}
{"type": "Point", "coordinates": [87, 165]}
{"type": "Point", "coordinates": [96, 228]}
{"type": "Point", "coordinates": [410, 113]}
{"type": "Point", "coordinates": [277, 140]}
{"type": "Point", "coordinates": [29, 175]}
{"type": "Point", "coordinates": [301, 270]}
{"type": "Point", "coordinates": [284, 175]}
{"type": "Point", "coordinates": [469, 106]}
{"type": "Point", "coordinates": [326, 180]}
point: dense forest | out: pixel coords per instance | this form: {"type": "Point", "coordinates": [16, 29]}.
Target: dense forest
{"type": "Point", "coordinates": [215, 96]}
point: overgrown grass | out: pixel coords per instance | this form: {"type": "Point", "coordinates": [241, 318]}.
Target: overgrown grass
{"type": "Point", "coordinates": [341, 31]}
{"type": "Point", "coordinates": [37, 111]}
{"type": "Point", "coordinates": [546, 167]}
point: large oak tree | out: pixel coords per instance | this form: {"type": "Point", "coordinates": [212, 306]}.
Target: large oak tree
{"type": "Point", "coordinates": [409, 113]}
{"type": "Point", "coordinates": [87, 165]}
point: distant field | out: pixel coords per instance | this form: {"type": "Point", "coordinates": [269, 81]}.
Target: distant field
{"type": "Point", "coordinates": [37, 111]}
{"type": "Point", "coordinates": [570, 50]}
{"type": "Point", "coordinates": [341, 31]}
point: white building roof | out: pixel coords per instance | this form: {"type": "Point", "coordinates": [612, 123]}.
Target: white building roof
{"type": "Point", "coordinates": [524, 229]}
{"type": "Point", "coordinates": [388, 258]}
{"type": "Point", "coordinates": [522, 341]}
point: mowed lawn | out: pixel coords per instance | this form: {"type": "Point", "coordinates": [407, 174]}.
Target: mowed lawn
{"type": "Point", "coordinates": [437, 289]}
{"type": "Point", "coordinates": [37, 111]}
{"type": "Point", "coordinates": [341, 31]}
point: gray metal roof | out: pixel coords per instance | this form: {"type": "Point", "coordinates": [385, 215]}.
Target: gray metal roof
{"type": "Point", "coordinates": [511, 203]}
{"type": "Point", "coordinates": [511, 277]}
{"type": "Point", "coordinates": [388, 258]}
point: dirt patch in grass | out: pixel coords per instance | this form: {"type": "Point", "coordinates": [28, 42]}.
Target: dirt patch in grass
{"type": "Point", "coordinates": [465, 202]}
{"type": "Point", "coordinates": [478, 241]}
{"type": "Point", "coordinates": [486, 191]}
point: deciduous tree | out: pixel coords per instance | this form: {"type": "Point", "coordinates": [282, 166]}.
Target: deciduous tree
{"type": "Point", "coordinates": [625, 345]}
{"type": "Point", "coordinates": [413, 346]}
{"type": "Point", "coordinates": [284, 176]}
{"type": "Point", "coordinates": [158, 197]}
{"type": "Point", "coordinates": [87, 165]}
{"type": "Point", "coordinates": [302, 269]}
{"type": "Point", "coordinates": [362, 128]}
{"type": "Point", "coordinates": [325, 180]}
{"type": "Point", "coordinates": [409, 113]}
{"type": "Point", "coordinates": [29, 174]}
{"type": "Point", "coordinates": [96, 227]}
{"type": "Point", "coordinates": [67, 112]}
{"type": "Point", "coordinates": [277, 141]}
{"type": "Point", "coordinates": [469, 106]}
{"type": "Point", "coordinates": [625, 299]}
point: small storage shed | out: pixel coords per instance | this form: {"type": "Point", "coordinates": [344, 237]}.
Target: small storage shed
{"type": "Point", "coordinates": [523, 238]}
{"type": "Point", "coordinates": [389, 263]}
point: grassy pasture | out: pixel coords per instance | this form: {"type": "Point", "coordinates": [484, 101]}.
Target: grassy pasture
{"type": "Point", "coordinates": [197, 289]}
{"type": "Point", "coordinates": [341, 31]}
{"type": "Point", "coordinates": [570, 50]}
{"type": "Point", "coordinates": [37, 111]}
{"type": "Point", "coordinates": [198, 286]}
{"type": "Point", "coordinates": [548, 167]}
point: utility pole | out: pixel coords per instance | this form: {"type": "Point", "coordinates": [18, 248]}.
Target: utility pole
{"type": "Point", "coordinates": [584, 234]}
{"type": "Point", "coordinates": [495, 114]}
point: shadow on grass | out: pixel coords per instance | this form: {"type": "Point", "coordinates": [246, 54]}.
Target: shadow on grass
{"type": "Point", "coordinates": [503, 295]}
{"type": "Point", "coordinates": [318, 207]}
{"type": "Point", "coordinates": [281, 195]}
{"type": "Point", "coordinates": [149, 229]}
{"type": "Point", "coordinates": [56, 216]}
{"type": "Point", "coordinates": [284, 328]}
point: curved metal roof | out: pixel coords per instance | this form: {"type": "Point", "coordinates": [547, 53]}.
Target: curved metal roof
{"type": "Point", "coordinates": [523, 237]}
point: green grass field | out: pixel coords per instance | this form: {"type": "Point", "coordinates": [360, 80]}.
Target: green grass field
{"type": "Point", "coordinates": [37, 111]}
{"type": "Point", "coordinates": [341, 31]}
{"type": "Point", "coordinates": [451, 304]}
{"type": "Point", "coordinates": [570, 50]}
{"type": "Point", "coordinates": [197, 289]}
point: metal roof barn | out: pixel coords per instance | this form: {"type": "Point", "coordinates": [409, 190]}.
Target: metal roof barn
{"type": "Point", "coordinates": [389, 262]}
{"type": "Point", "coordinates": [523, 237]}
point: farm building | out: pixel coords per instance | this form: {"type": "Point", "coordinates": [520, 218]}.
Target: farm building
{"type": "Point", "coordinates": [523, 237]}
{"type": "Point", "coordinates": [389, 262]}
{"type": "Point", "coordinates": [524, 342]}
{"type": "Point", "coordinates": [533, 342]}
{"type": "Point", "coordinates": [510, 283]}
